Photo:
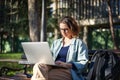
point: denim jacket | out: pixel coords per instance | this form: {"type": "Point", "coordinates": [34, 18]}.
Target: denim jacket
{"type": "Point", "coordinates": [77, 55]}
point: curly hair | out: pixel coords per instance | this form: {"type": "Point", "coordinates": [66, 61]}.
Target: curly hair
{"type": "Point", "coordinates": [71, 23]}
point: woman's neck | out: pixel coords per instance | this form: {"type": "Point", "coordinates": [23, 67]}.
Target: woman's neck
{"type": "Point", "coordinates": [67, 41]}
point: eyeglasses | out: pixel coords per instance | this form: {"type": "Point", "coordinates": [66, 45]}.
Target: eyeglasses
{"type": "Point", "coordinates": [64, 29]}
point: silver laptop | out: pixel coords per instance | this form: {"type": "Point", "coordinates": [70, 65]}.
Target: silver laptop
{"type": "Point", "coordinates": [38, 52]}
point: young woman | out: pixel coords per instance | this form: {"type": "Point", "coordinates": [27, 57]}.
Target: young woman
{"type": "Point", "coordinates": [69, 52]}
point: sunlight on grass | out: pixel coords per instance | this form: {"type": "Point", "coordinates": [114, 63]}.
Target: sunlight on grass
{"type": "Point", "coordinates": [10, 55]}
{"type": "Point", "coordinates": [13, 65]}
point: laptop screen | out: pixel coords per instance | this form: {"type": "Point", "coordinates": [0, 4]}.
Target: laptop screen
{"type": "Point", "coordinates": [38, 52]}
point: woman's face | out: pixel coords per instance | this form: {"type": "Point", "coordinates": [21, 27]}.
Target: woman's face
{"type": "Point", "coordinates": [65, 31]}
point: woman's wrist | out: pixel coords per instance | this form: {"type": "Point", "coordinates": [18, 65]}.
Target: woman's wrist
{"type": "Point", "coordinates": [69, 65]}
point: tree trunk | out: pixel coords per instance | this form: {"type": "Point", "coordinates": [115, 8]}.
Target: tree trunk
{"type": "Point", "coordinates": [2, 2]}
{"type": "Point", "coordinates": [34, 30]}
{"type": "Point", "coordinates": [111, 24]}
{"type": "Point", "coordinates": [85, 33]}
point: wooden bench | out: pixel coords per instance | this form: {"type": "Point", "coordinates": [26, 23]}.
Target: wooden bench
{"type": "Point", "coordinates": [26, 65]}
{"type": "Point", "coordinates": [5, 69]}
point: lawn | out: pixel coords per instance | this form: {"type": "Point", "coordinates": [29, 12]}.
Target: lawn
{"type": "Point", "coordinates": [10, 56]}
{"type": "Point", "coordinates": [12, 65]}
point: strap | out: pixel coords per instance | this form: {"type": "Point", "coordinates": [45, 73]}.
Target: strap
{"type": "Point", "coordinates": [92, 72]}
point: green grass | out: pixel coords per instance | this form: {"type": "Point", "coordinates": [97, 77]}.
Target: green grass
{"type": "Point", "coordinates": [12, 65]}
{"type": "Point", "coordinates": [10, 55]}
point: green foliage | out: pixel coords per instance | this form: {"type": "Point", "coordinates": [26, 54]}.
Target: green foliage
{"type": "Point", "coordinates": [101, 39]}
{"type": "Point", "coordinates": [51, 24]}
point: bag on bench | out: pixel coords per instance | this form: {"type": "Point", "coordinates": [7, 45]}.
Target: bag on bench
{"type": "Point", "coordinates": [105, 65]}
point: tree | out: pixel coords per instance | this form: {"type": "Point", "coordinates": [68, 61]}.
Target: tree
{"type": "Point", "coordinates": [13, 22]}
{"type": "Point", "coordinates": [111, 24]}
{"type": "Point", "coordinates": [34, 29]}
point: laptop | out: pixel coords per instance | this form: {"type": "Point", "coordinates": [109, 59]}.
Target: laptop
{"type": "Point", "coordinates": [38, 52]}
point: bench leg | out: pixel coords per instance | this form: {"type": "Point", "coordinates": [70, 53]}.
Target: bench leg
{"type": "Point", "coordinates": [3, 71]}
{"type": "Point", "coordinates": [25, 71]}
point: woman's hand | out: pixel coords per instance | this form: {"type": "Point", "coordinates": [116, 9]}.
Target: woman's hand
{"type": "Point", "coordinates": [63, 64]}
